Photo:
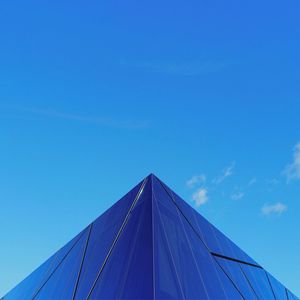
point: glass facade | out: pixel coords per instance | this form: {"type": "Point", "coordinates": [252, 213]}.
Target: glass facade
{"type": "Point", "coordinates": [150, 245]}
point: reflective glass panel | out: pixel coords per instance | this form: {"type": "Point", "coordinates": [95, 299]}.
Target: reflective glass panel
{"type": "Point", "coordinates": [259, 281]}
{"type": "Point", "coordinates": [197, 274]}
{"type": "Point", "coordinates": [104, 231]}
{"type": "Point", "coordinates": [292, 296]}
{"type": "Point", "coordinates": [61, 283]}
{"type": "Point", "coordinates": [236, 274]}
{"type": "Point", "coordinates": [27, 288]}
{"type": "Point", "coordinates": [278, 288]}
{"type": "Point", "coordinates": [215, 240]}
{"type": "Point", "coordinates": [128, 272]}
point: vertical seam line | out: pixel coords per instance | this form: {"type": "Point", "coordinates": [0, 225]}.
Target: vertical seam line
{"type": "Point", "coordinates": [174, 202]}
{"type": "Point", "coordinates": [41, 287]}
{"type": "Point", "coordinates": [287, 294]}
{"type": "Point", "coordinates": [248, 280]}
{"type": "Point", "coordinates": [139, 193]}
{"type": "Point", "coordinates": [229, 278]}
{"type": "Point", "coordinates": [82, 261]}
{"type": "Point", "coordinates": [192, 252]}
{"type": "Point", "coordinates": [270, 284]}
{"type": "Point", "coordinates": [153, 257]}
{"type": "Point", "coordinates": [181, 289]}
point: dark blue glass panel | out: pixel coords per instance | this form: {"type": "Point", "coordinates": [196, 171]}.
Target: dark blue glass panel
{"type": "Point", "coordinates": [291, 296]}
{"type": "Point", "coordinates": [104, 231]}
{"type": "Point", "coordinates": [198, 275]}
{"type": "Point", "coordinates": [61, 283]}
{"type": "Point", "coordinates": [236, 274]}
{"type": "Point", "coordinates": [182, 255]}
{"type": "Point", "coordinates": [215, 240]}
{"type": "Point", "coordinates": [167, 284]}
{"type": "Point", "coordinates": [259, 281]}
{"type": "Point", "coordinates": [27, 288]}
{"type": "Point", "coordinates": [277, 287]}
{"type": "Point", "coordinates": [216, 281]}
{"type": "Point", "coordinates": [128, 273]}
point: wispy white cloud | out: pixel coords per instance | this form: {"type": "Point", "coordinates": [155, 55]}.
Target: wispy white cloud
{"type": "Point", "coordinates": [200, 197]}
{"type": "Point", "coordinates": [252, 181]}
{"type": "Point", "coordinates": [292, 170]}
{"type": "Point", "coordinates": [196, 180]}
{"type": "Point", "coordinates": [227, 172]}
{"type": "Point", "coordinates": [273, 181]}
{"type": "Point", "coordinates": [239, 192]}
{"type": "Point", "coordinates": [237, 196]}
{"type": "Point", "coordinates": [186, 68]}
{"type": "Point", "coordinates": [277, 209]}
{"type": "Point", "coordinates": [101, 121]}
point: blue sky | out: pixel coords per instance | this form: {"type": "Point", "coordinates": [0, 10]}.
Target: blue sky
{"type": "Point", "coordinates": [95, 96]}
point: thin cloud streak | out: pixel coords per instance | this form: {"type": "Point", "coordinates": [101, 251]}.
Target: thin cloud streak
{"type": "Point", "coordinates": [196, 180]}
{"type": "Point", "coordinates": [274, 209]}
{"type": "Point", "coordinates": [252, 181]}
{"type": "Point", "coordinates": [273, 181]}
{"type": "Point", "coordinates": [227, 172]}
{"type": "Point", "coordinates": [292, 171]}
{"type": "Point", "coordinates": [237, 196]}
{"type": "Point", "coordinates": [108, 122]}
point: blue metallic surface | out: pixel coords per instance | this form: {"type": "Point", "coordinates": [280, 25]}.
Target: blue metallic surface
{"type": "Point", "coordinates": [150, 245]}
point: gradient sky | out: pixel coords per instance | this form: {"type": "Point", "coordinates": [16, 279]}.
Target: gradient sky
{"type": "Point", "coordinates": [95, 96]}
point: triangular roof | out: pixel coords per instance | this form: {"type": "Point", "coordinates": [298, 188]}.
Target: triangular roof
{"type": "Point", "coordinates": [150, 245]}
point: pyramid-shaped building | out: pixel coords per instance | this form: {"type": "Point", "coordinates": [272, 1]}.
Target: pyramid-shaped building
{"type": "Point", "coordinates": [150, 245]}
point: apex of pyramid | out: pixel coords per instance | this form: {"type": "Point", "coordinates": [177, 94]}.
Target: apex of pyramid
{"type": "Point", "coordinates": [151, 176]}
